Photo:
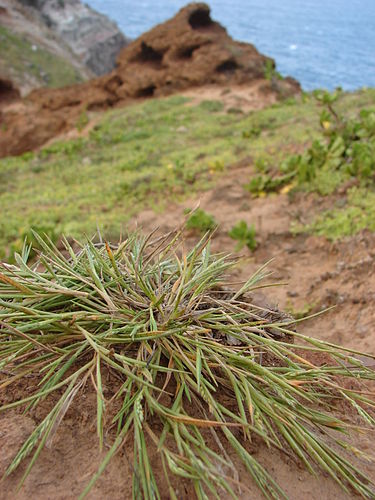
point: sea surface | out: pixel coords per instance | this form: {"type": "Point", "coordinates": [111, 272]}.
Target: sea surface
{"type": "Point", "coordinates": [322, 43]}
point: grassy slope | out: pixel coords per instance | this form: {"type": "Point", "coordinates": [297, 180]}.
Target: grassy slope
{"type": "Point", "coordinates": [144, 155]}
{"type": "Point", "coordinates": [46, 68]}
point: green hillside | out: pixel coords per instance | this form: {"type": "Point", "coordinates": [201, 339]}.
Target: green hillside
{"type": "Point", "coordinates": [21, 62]}
{"type": "Point", "coordinates": [148, 154]}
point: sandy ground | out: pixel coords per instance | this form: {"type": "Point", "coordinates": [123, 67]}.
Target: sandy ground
{"type": "Point", "coordinates": [317, 273]}
{"type": "Point", "coordinates": [250, 97]}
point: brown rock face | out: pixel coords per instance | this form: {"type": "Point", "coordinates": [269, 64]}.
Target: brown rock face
{"type": "Point", "coordinates": [190, 50]}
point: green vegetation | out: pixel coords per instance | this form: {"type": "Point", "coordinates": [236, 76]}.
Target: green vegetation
{"type": "Point", "coordinates": [82, 121]}
{"type": "Point", "coordinates": [270, 71]}
{"type": "Point", "coordinates": [245, 235]}
{"type": "Point", "coordinates": [147, 155]}
{"type": "Point", "coordinates": [185, 356]}
{"type": "Point", "coordinates": [201, 221]}
{"type": "Point", "coordinates": [302, 312]}
{"type": "Point", "coordinates": [140, 156]}
{"type": "Point", "coordinates": [262, 184]}
{"type": "Point", "coordinates": [357, 214]}
{"type": "Point", "coordinates": [16, 52]}
{"type": "Point", "coordinates": [347, 150]}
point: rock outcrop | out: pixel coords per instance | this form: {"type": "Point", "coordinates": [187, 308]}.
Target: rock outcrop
{"type": "Point", "coordinates": [55, 43]}
{"type": "Point", "coordinates": [190, 50]}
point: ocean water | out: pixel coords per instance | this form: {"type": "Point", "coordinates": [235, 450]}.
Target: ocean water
{"type": "Point", "coordinates": [322, 43]}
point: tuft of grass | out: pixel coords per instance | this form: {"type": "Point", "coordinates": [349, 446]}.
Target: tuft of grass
{"type": "Point", "coordinates": [82, 121]}
{"type": "Point", "coordinates": [201, 221]}
{"type": "Point", "coordinates": [212, 106]}
{"type": "Point", "coordinates": [270, 71]}
{"type": "Point", "coordinates": [165, 323]}
{"type": "Point", "coordinates": [244, 234]}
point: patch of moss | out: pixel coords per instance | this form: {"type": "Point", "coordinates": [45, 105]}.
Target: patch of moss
{"type": "Point", "coordinates": [300, 313]}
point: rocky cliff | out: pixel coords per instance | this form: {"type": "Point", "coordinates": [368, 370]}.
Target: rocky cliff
{"type": "Point", "coordinates": [190, 50]}
{"type": "Point", "coordinates": [91, 36]}
{"type": "Point", "coordinates": [55, 43]}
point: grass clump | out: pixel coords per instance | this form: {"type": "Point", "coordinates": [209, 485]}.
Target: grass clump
{"type": "Point", "coordinates": [164, 323]}
{"type": "Point", "coordinates": [212, 106]}
{"type": "Point", "coordinates": [201, 221]}
{"type": "Point", "coordinates": [270, 72]}
{"type": "Point", "coordinates": [245, 235]}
